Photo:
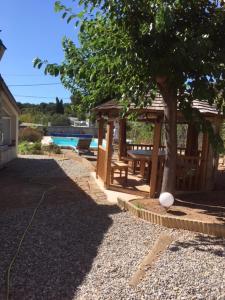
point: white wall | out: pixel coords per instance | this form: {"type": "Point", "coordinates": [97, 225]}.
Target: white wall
{"type": "Point", "coordinates": [9, 125]}
{"type": "Point", "coordinates": [7, 154]}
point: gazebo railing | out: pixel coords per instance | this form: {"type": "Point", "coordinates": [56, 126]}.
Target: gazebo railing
{"type": "Point", "coordinates": [139, 147]}
{"type": "Point", "coordinates": [180, 150]}
{"type": "Point", "coordinates": [188, 173]}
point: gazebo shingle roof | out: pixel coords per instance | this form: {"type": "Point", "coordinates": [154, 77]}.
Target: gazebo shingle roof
{"type": "Point", "coordinates": [157, 106]}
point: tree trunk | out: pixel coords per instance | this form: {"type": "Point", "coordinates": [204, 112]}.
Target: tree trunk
{"type": "Point", "coordinates": [170, 118]}
{"type": "Point", "coordinates": [192, 141]}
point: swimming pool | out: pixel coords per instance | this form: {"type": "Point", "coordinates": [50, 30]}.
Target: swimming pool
{"type": "Point", "coordinates": [71, 142]}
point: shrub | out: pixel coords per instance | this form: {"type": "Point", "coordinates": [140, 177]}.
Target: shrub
{"type": "Point", "coordinates": [30, 135]}
{"type": "Point", "coordinates": [33, 116]}
{"type": "Point", "coordinates": [30, 148]}
{"type": "Point", "coordinates": [59, 120]}
{"type": "Point", "coordinates": [52, 148]}
{"type": "Point", "coordinates": [140, 133]}
{"type": "Point", "coordinates": [45, 130]}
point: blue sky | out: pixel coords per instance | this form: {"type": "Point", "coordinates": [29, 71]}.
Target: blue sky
{"type": "Point", "coordinates": [31, 28]}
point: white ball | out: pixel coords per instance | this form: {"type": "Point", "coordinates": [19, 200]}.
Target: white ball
{"type": "Point", "coordinates": [166, 199]}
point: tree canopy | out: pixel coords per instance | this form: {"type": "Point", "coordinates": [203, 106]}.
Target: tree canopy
{"type": "Point", "coordinates": [129, 50]}
{"type": "Point", "coordinates": [126, 46]}
{"type": "Point", "coordinates": [59, 106]}
{"type": "Point", "coordinates": [45, 113]}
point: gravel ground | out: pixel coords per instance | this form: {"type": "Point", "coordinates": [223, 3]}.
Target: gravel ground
{"type": "Point", "coordinates": [77, 249]}
{"type": "Point", "coordinates": [42, 166]}
{"type": "Point", "coordinates": [193, 267]}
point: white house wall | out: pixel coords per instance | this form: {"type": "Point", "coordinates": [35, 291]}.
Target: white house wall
{"type": "Point", "coordinates": [9, 124]}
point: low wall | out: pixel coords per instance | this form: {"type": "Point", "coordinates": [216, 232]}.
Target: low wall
{"type": "Point", "coordinates": [172, 221]}
{"type": "Point", "coordinates": [73, 130]}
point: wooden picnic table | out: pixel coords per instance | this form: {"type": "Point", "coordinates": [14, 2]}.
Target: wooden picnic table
{"type": "Point", "coordinates": [143, 156]}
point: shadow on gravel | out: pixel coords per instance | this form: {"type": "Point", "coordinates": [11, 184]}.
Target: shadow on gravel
{"type": "Point", "coordinates": [203, 243]}
{"type": "Point", "coordinates": [63, 241]}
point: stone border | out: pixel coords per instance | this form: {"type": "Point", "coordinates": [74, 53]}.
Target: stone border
{"type": "Point", "coordinates": [87, 163]}
{"type": "Point", "coordinates": [173, 222]}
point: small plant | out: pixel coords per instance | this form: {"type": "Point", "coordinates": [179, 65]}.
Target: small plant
{"type": "Point", "coordinates": [45, 130]}
{"type": "Point", "coordinates": [52, 148]}
{"type": "Point", "coordinates": [30, 148]}
{"type": "Point", "coordinates": [30, 135]}
{"type": "Point", "coordinates": [138, 205]}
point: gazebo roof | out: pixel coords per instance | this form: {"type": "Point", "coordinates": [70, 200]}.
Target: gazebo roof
{"type": "Point", "coordinates": [156, 108]}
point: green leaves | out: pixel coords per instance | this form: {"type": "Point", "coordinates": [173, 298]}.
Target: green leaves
{"type": "Point", "coordinates": [70, 18]}
{"type": "Point", "coordinates": [37, 63]}
{"type": "Point", "coordinates": [163, 18]}
{"type": "Point", "coordinates": [58, 6]}
{"type": "Point", "coordinates": [64, 15]}
{"type": "Point", "coordinates": [126, 45]}
{"type": "Point", "coordinates": [68, 13]}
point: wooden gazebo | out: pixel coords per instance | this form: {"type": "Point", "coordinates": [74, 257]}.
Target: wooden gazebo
{"type": "Point", "coordinates": [196, 163]}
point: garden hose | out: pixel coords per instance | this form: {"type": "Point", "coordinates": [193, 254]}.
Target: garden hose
{"type": "Point", "coordinates": [52, 187]}
{"type": "Point", "coordinates": [199, 204]}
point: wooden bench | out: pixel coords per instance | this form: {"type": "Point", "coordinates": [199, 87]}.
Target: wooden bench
{"type": "Point", "coordinates": [120, 166]}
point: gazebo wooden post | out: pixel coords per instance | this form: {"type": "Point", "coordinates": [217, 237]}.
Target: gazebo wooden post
{"type": "Point", "coordinates": [100, 139]}
{"type": "Point", "coordinates": [100, 131]}
{"type": "Point", "coordinates": [109, 138]}
{"type": "Point", "coordinates": [155, 158]}
{"type": "Point", "coordinates": [122, 138]}
{"type": "Point", "coordinates": [203, 167]}
{"type": "Point", "coordinates": [212, 160]}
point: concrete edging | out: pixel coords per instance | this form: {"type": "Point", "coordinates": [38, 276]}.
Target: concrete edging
{"type": "Point", "coordinates": [173, 222]}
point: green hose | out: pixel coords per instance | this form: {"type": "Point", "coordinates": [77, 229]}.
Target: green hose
{"type": "Point", "coordinates": [23, 236]}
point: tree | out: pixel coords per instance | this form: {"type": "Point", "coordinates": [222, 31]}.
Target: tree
{"type": "Point", "coordinates": [57, 109]}
{"type": "Point", "coordinates": [131, 49]}
{"type": "Point", "coordinates": [77, 106]}
{"type": "Point", "coordinates": [59, 106]}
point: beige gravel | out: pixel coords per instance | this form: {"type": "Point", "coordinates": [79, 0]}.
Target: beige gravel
{"type": "Point", "coordinates": [80, 247]}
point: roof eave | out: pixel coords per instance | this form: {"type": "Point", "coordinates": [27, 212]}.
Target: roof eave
{"type": "Point", "coordinates": [11, 98]}
{"type": "Point", "coordinates": [2, 49]}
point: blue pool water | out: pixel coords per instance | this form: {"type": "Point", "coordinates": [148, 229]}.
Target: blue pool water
{"type": "Point", "coordinates": [71, 142]}
{"type": "Point", "coordinates": [77, 135]}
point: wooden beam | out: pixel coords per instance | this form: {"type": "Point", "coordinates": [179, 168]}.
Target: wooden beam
{"type": "Point", "coordinates": [100, 139]}
{"type": "Point", "coordinates": [155, 157]}
{"type": "Point", "coordinates": [109, 137]}
{"type": "Point", "coordinates": [218, 126]}
{"type": "Point", "coordinates": [203, 167]}
{"type": "Point", "coordinates": [212, 160]}
{"type": "Point", "coordinates": [100, 131]}
{"type": "Point", "coordinates": [122, 138]}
